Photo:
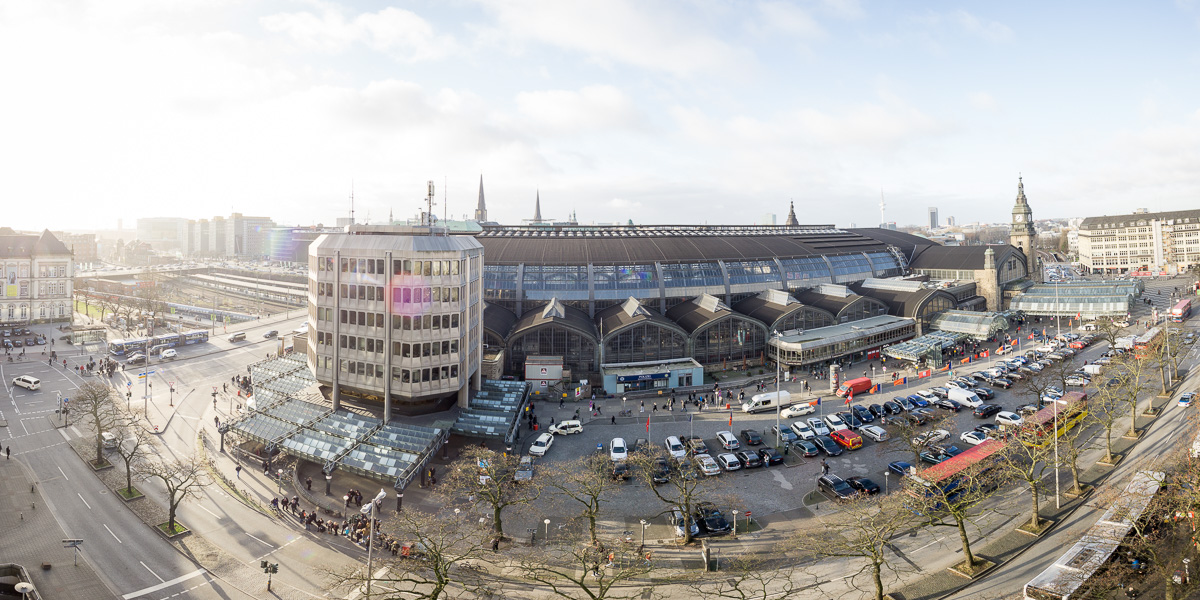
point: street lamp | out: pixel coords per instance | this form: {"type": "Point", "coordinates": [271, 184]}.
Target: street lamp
{"type": "Point", "coordinates": [778, 371]}
{"type": "Point", "coordinates": [735, 516]}
{"type": "Point", "coordinates": [547, 523]}
{"type": "Point", "coordinates": [23, 588]}
{"type": "Point", "coordinates": [644, 526]}
{"type": "Point", "coordinates": [279, 481]}
{"type": "Point", "coordinates": [328, 480]}
{"type": "Point", "coordinates": [372, 510]}
{"type": "Point", "coordinates": [456, 513]}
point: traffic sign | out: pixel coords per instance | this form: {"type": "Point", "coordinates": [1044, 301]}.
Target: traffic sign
{"type": "Point", "coordinates": [69, 543]}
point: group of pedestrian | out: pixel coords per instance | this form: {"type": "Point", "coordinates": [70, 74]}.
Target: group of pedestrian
{"type": "Point", "coordinates": [354, 496]}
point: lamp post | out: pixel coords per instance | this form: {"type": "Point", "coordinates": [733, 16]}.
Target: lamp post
{"type": "Point", "coordinates": [328, 480]}
{"type": "Point", "coordinates": [372, 510]}
{"type": "Point", "coordinates": [644, 526]}
{"type": "Point", "coordinates": [23, 588]}
{"type": "Point", "coordinates": [279, 481]}
{"type": "Point", "coordinates": [546, 535]}
{"type": "Point", "coordinates": [778, 372]}
{"type": "Point", "coordinates": [735, 516]}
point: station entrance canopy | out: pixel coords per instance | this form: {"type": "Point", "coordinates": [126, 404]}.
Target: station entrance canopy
{"type": "Point", "coordinates": [1088, 299]}
{"type": "Point", "coordinates": [978, 325]}
{"type": "Point", "coordinates": [928, 347]}
{"type": "Point", "coordinates": [797, 348]}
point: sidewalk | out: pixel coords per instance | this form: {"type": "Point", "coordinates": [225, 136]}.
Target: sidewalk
{"type": "Point", "coordinates": [35, 538]}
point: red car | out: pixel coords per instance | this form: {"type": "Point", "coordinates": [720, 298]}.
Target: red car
{"type": "Point", "coordinates": [847, 439]}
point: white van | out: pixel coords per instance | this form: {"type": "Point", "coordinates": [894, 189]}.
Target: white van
{"type": "Point", "coordinates": [109, 440]}
{"type": "Point", "coordinates": [27, 382]}
{"type": "Point", "coordinates": [965, 397]}
{"type": "Point", "coordinates": [567, 427]}
{"type": "Point", "coordinates": [765, 402]}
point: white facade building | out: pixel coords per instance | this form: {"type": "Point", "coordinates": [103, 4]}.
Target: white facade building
{"type": "Point", "coordinates": [396, 315]}
{"type": "Point", "coordinates": [38, 272]}
{"type": "Point", "coordinates": [1158, 242]}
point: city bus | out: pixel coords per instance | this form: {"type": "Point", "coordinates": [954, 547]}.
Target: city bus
{"type": "Point", "coordinates": [1067, 578]}
{"type": "Point", "coordinates": [123, 347]}
{"type": "Point", "coordinates": [195, 337]}
{"type": "Point", "coordinates": [166, 340]}
{"type": "Point", "coordinates": [1181, 311]}
{"type": "Point", "coordinates": [954, 473]}
{"type": "Point", "coordinates": [1041, 429]}
{"type": "Point", "coordinates": [1145, 344]}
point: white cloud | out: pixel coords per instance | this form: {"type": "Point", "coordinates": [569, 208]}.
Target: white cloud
{"type": "Point", "coordinates": [992, 31]}
{"type": "Point", "coordinates": [596, 107]}
{"type": "Point", "coordinates": [647, 35]}
{"type": "Point", "coordinates": [846, 9]}
{"type": "Point", "coordinates": [961, 21]}
{"type": "Point", "coordinates": [789, 19]}
{"type": "Point", "coordinates": [982, 101]}
{"type": "Point", "coordinates": [395, 32]}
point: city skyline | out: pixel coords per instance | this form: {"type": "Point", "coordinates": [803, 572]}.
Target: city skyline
{"type": "Point", "coordinates": [659, 113]}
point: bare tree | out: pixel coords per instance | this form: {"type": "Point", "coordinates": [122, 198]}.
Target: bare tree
{"type": "Point", "coordinates": [488, 478]}
{"type": "Point", "coordinates": [750, 577]}
{"type": "Point", "coordinates": [1105, 407]}
{"type": "Point", "coordinates": [599, 571]}
{"type": "Point", "coordinates": [908, 433]}
{"type": "Point", "coordinates": [438, 554]}
{"type": "Point", "coordinates": [152, 302]}
{"type": "Point", "coordinates": [863, 530]}
{"type": "Point", "coordinates": [1027, 457]}
{"type": "Point", "coordinates": [951, 503]}
{"type": "Point", "coordinates": [676, 485]}
{"type": "Point", "coordinates": [133, 447]}
{"type": "Point", "coordinates": [589, 481]}
{"type": "Point", "coordinates": [1129, 372]}
{"type": "Point", "coordinates": [97, 403]}
{"type": "Point", "coordinates": [184, 478]}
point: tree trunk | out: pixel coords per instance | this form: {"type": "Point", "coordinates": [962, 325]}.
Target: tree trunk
{"type": "Point", "coordinates": [99, 449]}
{"type": "Point", "coordinates": [877, 579]}
{"type": "Point", "coordinates": [171, 517]}
{"type": "Point", "coordinates": [128, 478]}
{"type": "Point", "coordinates": [496, 524]}
{"type": "Point", "coordinates": [1162, 374]}
{"type": "Point", "coordinates": [1133, 420]}
{"type": "Point", "coordinates": [1108, 455]}
{"type": "Point", "coordinates": [966, 541]}
{"type": "Point", "coordinates": [1035, 521]}
{"type": "Point", "coordinates": [1075, 476]}
{"type": "Point", "coordinates": [592, 526]}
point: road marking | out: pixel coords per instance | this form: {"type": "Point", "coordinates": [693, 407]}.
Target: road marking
{"type": "Point", "coordinates": [935, 541]}
{"type": "Point", "coordinates": [294, 540]}
{"type": "Point", "coordinates": [267, 543]}
{"type": "Point", "coordinates": [77, 432]}
{"type": "Point", "coordinates": [65, 475]}
{"type": "Point", "coordinates": [64, 435]}
{"type": "Point", "coordinates": [85, 502]}
{"type": "Point", "coordinates": [113, 534]}
{"type": "Point", "coordinates": [201, 507]}
{"type": "Point", "coordinates": [163, 585]}
{"type": "Point", "coordinates": [24, 427]}
{"type": "Point", "coordinates": [151, 572]}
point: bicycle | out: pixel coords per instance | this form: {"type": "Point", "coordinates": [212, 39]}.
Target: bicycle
{"type": "Point", "coordinates": [626, 413]}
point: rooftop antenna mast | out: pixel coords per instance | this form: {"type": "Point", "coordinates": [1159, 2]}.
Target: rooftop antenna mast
{"type": "Point", "coordinates": [351, 201]}
{"type": "Point", "coordinates": [882, 206]}
{"type": "Point", "coordinates": [446, 201]}
{"type": "Point", "coordinates": [429, 205]}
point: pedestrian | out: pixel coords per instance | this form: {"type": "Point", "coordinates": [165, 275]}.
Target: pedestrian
{"type": "Point", "coordinates": [8, 453]}
{"type": "Point", "coordinates": [495, 544]}
{"type": "Point", "coordinates": [238, 470]}
{"type": "Point", "coordinates": [655, 406]}
{"type": "Point", "coordinates": [614, 420]}
{"type": "Point", "coordinates": [598, 413]}
{"type": "Point", "coordinates": [217, 421]}
{"type": "Point", "coordinates": [308, 483]}
{"type": "Point", "coordinates": [824, 467]}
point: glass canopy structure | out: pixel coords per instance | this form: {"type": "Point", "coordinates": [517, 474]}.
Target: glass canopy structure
{"type": "Point", "coordinates": [978, 325]}
{"type": "Point", "coordinates": [1089, 299]}
{"type": "Point", "coordinates": [928, 347]}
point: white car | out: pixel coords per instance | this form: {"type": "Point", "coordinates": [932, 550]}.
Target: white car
{"type": "Point", "coordinates": [1077, 381]}
{"type": "Point", "coordinates": [797, 410]}
{"type": "Point", "coordinates": [728, 441]}
{"type": "Point", "coordinates": [818, 426]}
{"type": "Point", "coordinates": [541, 444]}
{"type": "Point", "coordinates": [675, 448]}
{"type": "Point", "coordinates": [801, 429]}
{"type": "Point", "coordinates": [835, 422]}
{"type": "Point", "coordinates": [1009, 419]}
{"type": "Point", "coordinates": [927, 394]}
{"type": "Point", "coordinates": [973, 438]}
{"type": "Point", "coordinates": [931, 437]}
{"type": "Point", "coordinates": [27, 382]}
{"type": "Point", "coordinates": [617, 450]}
{"type": "Point", "coordinates": [729, 462]}
{"type": "Point", "coordinates": [169, 353]}
{"type": "Point", "coordinates": [874, 432]}
{"type": "Point", "coordinates": [707, 465]}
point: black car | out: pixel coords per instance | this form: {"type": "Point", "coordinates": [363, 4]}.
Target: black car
{"type": "Point", "coordinates": [710, 520]}
{"type": "Point", "coordinates": [863, 484]}
{"type": "Point", "coordinates": [947, 404]}
{"type": "Point", "coordinates": [984, 411]}
{"type": "Point", "coordinates": [988, 428]}
{"type": "Point", "coordinates": [805, 447]}
{"type": "Point", "coordinates": [920, 417]}
{"type": "Point", "coordinates": [892, 407]}
{"type": "Point", "coordinates": [863, 413]}
{"type": "Point", "coordinates": [788, 437]}
{"type": "Point", "coordinates": [661, 472]}
{"type": "Point", "coordinates": [751, 437]}
{"type": "Point", "coordinates": [834, 487]}
{"type": "Point", "coordinates": [270, 334]}
{"type": "Point", "coordinates": [17, 342]}
{"type": "Point", "coordinates": [136, 359]}
{"type": "Point", "coordinates": [984, 393]}
{"type": "Point", "coordinates": [621, 471]}
{"type": "Point", "coordinates": [877, 410]}
{"type": "Point", "coordinates": [749, 458]}
{"type": "Point", "coordinates": [850, 419]}
{"type": "Point", "coordinates": [770, 456]}
{"type": "Point", "coordinates": [899, 467]}
{"type": "Point", "coordinates": [1002, 382]}
{"type": "Point", "coordinates": [827, 445]}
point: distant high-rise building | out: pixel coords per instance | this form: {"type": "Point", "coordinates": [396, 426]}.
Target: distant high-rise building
{"type": "Point", "coordinates": [950, 221]}
{"type": "Point", "coordinates": [933, 217]}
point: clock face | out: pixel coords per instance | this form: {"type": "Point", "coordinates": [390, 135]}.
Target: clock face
{"type": "Point", "coordinates": [1019, 218]}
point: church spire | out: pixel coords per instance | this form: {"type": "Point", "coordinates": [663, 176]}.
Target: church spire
{"type": "Point", "coordinates": [481, 210]}
{"type": "Point", "coordinates": [1021, 191]}
{"type": "Point", "coordinates": [791, 218]}
{"type": "Point", "coordinates": [537, 208]}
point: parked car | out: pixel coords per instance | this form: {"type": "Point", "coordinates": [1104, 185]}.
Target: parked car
{"type": "Point", "coordinates": [706, 464]}
{"type": "Point", "coordinates": [1009, 419]}
{"type": "Point", "coordinates": [863, 485]}
{"type": "Point", "coordinates": [850, 419]}
{"type": "Point", "coordinates": [749, 459]}
{"type": "Point", "coordinates": [621, 471]}
{"type": "Point", "coordinates": [827, 445]}
{"type": "Point", "coordinates": [984, 411]}
{"type": "Point", "coordinates": [863, 413]}
{"type": "Point", "coordinates": [541, 444]}
{"type": "Point", "coordinates": [905, 402]}
{"type": "Point", "coordinates": [874, 432]}
{"type": "Point", "coordinates": [728, 441]}
{"type": "Point", "coordinates": [835, 488]}
{"type": "Point", "coordinates": [797, 410]}
{"type": "Point", "coordinates": [892, 407]}
{"type": "Point", "coordinates": [1002, 382]}
{"type": "Point", "coordinates": [617, 450]}
{"type": "Point", "coordinates": [729, 461]}
{"type": "Point", "coordinates": [847, 439]}
{"type": "Point", "coordinates": [877, 410]}
{"type": "Point", "coordinates": [974, 437]}
{"type": "Point", "coordinates": [836, 422]}
{"type": "Point", "coordinates": [661, 471]}
{"type": "Point", "coordinates": [786, 436]}
{"type": "Point", "coordinates": [900, 468]}
{"type": "Point", "coordinates": [988, 429]}
{"type": "Point", "coordinates": [711, 520]}
{"type": "Point", "coordinates": [1077, 381]}
{"type": "Point", "coordinates": [922, 416]}
{"type": "Point", "coordinates": [678, 521]}
{"type": "Point", "coordinates": [696, 445]}
{"type": "Point", "coordinates": [1027, 409]}
{"type": "Point", "coordinates": [751, 437]}
{"type": "Point", "coordinates": [770, 456]}
{"type": "Point", "coordinates": [802, 430]}
{"type": "Point", "coordinates": [675, 448]}
{"type": "Point", "coordinates": [806, 448]}
{"type": "Point", "coordinates": [985, 393]}
{"type": "Point", "coordinates": [931, 437]}
{"type": "Point", "coordinates": [818, 426]}
{"type": "Point", "coordinates": [947, 404]}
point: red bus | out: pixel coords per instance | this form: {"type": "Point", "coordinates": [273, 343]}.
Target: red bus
{"type": "Point", "coordinates": [948, 474]}
{"type": "Point", "coordinates": [1146, 343]}
{"type": "Point", "coordinates": [1181, 311]}
{"type": "Point", "coordinates": [1041, 429]}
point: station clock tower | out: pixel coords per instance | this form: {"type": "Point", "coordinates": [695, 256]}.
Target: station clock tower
{"type": "Point", "coordinates": [1023, 233]}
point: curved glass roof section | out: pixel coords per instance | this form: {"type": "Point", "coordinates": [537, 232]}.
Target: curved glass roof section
{"type": "Point", "coordinates": [979, 325]}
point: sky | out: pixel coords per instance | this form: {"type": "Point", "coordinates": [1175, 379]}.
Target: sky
{"type": "Point", "coordinates": [711, 111]}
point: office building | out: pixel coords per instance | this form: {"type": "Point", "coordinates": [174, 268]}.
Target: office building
{"type": "Point", "coordinates": [933, 217]}
{"type": "Point", "coordinates": [38, 273]}
{"type": "Point", "coordinates": [1162, 242]}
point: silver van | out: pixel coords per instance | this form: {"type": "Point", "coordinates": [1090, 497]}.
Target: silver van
{"type": "Point", "coordinates": [237, 337]}
{"type": "Point", "coordinates": [28, 382]}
